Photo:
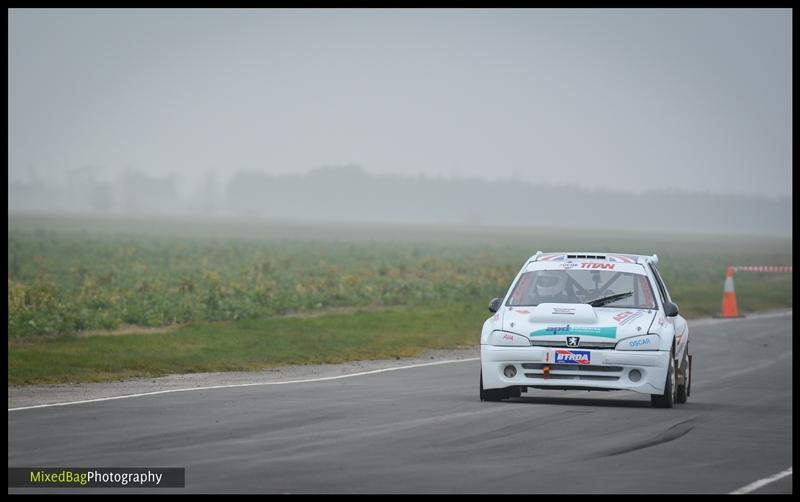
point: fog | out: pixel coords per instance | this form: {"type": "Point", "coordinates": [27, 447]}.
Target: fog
{"type": "Point", "coordinates": [679, 118]}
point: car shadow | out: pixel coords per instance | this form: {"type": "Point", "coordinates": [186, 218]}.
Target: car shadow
{"type": "Point", "coordinates": [580, 401]}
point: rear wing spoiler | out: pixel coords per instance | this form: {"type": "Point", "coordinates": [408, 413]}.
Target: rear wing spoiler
{"type": "Point", "coordinates": [648, 259]}
{"type": "Point", "coordinates": [640, 259]}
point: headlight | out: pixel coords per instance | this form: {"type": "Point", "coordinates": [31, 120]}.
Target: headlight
{"type": "Point", "coordinates": [508, 339]}
{"type": "Point", "coordinates": [643, 342]}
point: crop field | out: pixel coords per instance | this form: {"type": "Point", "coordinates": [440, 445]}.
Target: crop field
{"type": "Point", "coordinates": [68, 276]}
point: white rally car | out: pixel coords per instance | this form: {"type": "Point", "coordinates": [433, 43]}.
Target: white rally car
{"type": "Point", "coordinates": [590, 321]}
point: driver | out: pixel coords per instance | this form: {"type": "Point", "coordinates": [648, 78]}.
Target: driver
{"type": "Point", "coordinates": [550, 287]}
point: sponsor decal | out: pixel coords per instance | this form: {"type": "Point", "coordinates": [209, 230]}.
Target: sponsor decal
{"type": "Point", "coordinates": [523, 311]}
{"type": "Point", "coordinates": [565, 356]}
{"type": "Point", "coordinates": [573, 341]}
{"type": "Point", "coordinates": [569, 264]}
{"type": "Point", "coordinates": [662, 321]}
{"type": "Point", "coordinates": [627, 316]}
{"type": "Point", "coordinates": [607, 332]}
{"type": "Point", "coordinates": [508, 337]}
{"type": "Point", "coordinates": [639, 342]}
{"type": "Point", "coordinates": [495, 317]}
{"type": "Point", "coordinates": [562, 310]}
{"type": "Point", "coordinates": [622, 315]}
{"type": "Point", "coordinates": [598, 265]}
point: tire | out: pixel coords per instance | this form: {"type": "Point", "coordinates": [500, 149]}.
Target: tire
{"type": "Point", "coordinates": [689, 386]}
{"type": "Point", "coordinates": [667, 399]}
{"type": "Point", "coordinates": [682, 393]}
{"type": "Point", "coordinates": [491, 394]}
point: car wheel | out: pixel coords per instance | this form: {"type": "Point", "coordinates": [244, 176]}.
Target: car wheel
{"type": "Point", "coordinates": [686, 374]}
{"type": "Point", "coordinates": [491, 394]}
{"type": "Point", "coordinates": [667, 399]}
{"type": "Point", "coordinates": [689, 386]}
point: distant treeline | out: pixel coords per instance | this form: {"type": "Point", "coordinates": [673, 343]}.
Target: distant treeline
{"type": "Point", "coordinates": [348, 193]}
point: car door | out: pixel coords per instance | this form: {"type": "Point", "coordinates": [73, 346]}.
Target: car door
{"type": "Point", "coordinates": [678, 322]}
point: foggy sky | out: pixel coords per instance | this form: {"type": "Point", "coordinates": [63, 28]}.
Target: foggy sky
{"type": "Point", "coordinates": [624, 99]}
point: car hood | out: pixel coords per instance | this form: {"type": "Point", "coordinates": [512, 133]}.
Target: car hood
{"type": "Point", "coordinates": [553, 322]}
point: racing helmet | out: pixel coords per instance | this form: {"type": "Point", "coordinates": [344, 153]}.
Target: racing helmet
{"type": "Point", "coordinates": [550, 282]}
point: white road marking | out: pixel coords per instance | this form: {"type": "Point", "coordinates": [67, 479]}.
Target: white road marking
{"type": "Point", "coordinates": [719, 320]}
{"type": "Point", "coordinates": [322, 379]}
{"type": "Point", "coordinates": [762, 482]}
{"type": "Point", "coordinates": [698, 322]}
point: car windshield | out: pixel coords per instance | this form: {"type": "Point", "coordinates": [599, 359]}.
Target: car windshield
{"type": "Point", "coordinates": [582, 286]}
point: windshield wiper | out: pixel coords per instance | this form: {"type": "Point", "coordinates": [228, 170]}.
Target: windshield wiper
{"type": "Point", "coordinates": [599, 302]}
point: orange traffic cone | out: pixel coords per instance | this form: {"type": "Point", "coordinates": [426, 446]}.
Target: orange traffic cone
{"type": "Point", "coordinates": [729, 298]}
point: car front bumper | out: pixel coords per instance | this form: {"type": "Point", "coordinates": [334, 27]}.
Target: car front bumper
{"type": "Point", "coordinates": [607, 369]}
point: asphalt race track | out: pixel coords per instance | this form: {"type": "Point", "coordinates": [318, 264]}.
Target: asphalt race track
{"type": "Point", "coordinates": [425, 430]}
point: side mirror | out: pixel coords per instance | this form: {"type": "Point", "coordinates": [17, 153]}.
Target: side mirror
{"type": "Point", "coordinates": [495, 304]}
{"type": "Point", "coordinates": [670, 309]}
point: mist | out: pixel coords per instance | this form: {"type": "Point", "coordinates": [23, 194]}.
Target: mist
{"type": "Point", "coordinates": [351, 194]}
{"type": "Point", "coordinates": [668, 119]}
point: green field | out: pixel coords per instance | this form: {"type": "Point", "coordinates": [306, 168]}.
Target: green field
{"type": "Point", "coordinates": [247, 345]}
{"type": "Point", "coordinates": [68, 275]}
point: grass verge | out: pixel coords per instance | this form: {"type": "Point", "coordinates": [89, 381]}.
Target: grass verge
{"type": "Point", "coordinates": [246, 345]}
{"type": "Point", "coordinates": [250, 345]}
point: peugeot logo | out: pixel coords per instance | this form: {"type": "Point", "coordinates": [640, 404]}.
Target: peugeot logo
{"type": "Point", "coordinates": [573, 341]}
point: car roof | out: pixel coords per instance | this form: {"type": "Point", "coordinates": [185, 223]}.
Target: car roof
{"type": "Point", "coordinates": [599, 256]}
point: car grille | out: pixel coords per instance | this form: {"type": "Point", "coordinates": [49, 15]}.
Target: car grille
{"type": "Point", "coordinates": [582, 345]}
{"type": "Point", "coordinates": [573, 371]}
{"type": "Point", "coordinates": [571, 367]}
{"type": "Point", "coordinates": [552, 376]}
